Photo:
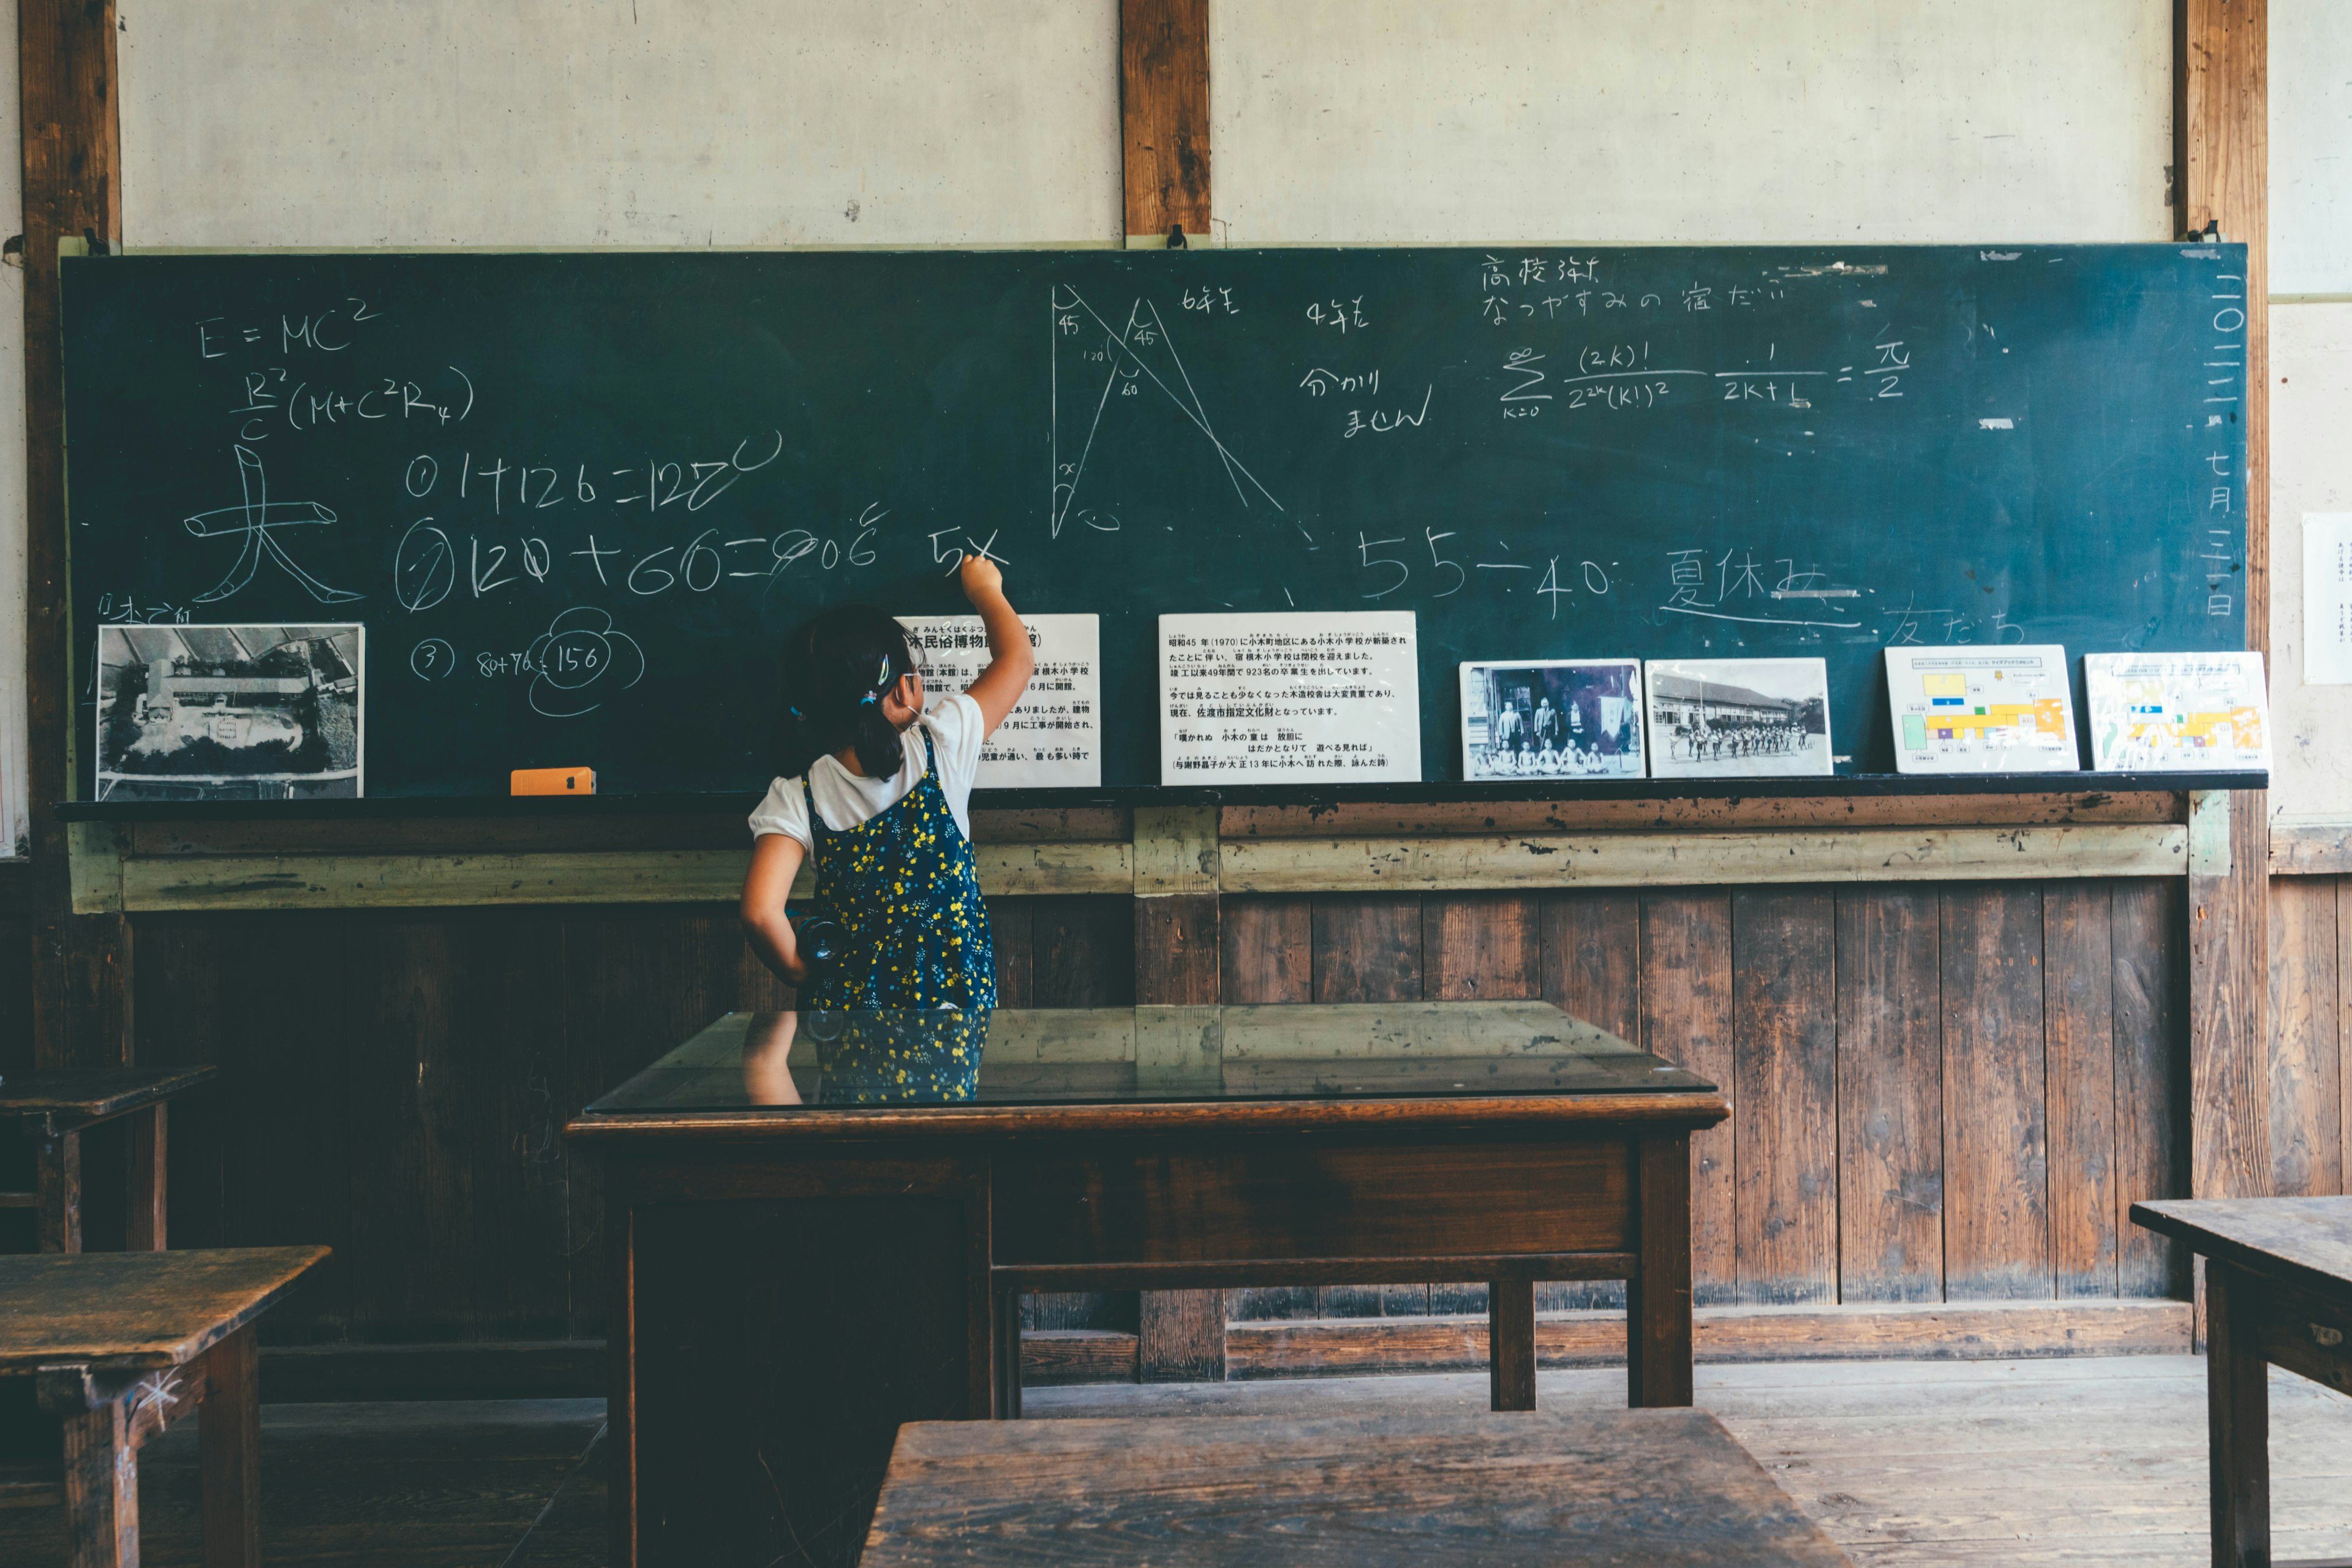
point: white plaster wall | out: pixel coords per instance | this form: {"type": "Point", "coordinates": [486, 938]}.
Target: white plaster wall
{"type": "Point", "coordinates": [623, 123]}
{"type": "Point", "coordinates": [1691, 120]}
{"type": "Point", "coordinates": [2311, 146]}
{"type": "Point", "coordinates": [2311, 471]}
{"type": "Point", "coordinates": [14, 827]}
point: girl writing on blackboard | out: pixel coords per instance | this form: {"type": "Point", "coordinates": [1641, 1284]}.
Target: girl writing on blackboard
{"type": "Point", "coordinates": [877, 792]}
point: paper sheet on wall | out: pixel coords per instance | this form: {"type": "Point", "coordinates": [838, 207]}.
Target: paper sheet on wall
{"type": "Point", "coordinates": [1053, 737]}
{"type": "Point", "coordinates": [1289, 699]}
{"type": "Point", "coordinates": [2328, 598]}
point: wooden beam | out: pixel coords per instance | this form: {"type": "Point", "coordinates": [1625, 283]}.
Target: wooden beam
{"type": "Point", "coordinates": [2311, 847]}
{"type": "Point", "coordinates": [1702, 859]}
{"type": "Point", "coordinates": [72, 191]}
{"type": "Point", "coordinates": [2220, 177]}
{"type": "Point", "coordinates": [1164, 110]}
{"type": "Point", "coordinates": [153, 884]}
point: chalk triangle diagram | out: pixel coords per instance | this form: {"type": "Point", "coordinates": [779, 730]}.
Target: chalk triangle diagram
{"type": "Point", "coordinates": [1117, 374]}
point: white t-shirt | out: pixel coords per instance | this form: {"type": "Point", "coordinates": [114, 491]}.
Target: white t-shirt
{"type": "Point", "coordinates": [845, 799]}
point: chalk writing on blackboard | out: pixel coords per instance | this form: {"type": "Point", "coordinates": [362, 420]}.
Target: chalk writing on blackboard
{"type": "Point", "coordinates": [254, 522]}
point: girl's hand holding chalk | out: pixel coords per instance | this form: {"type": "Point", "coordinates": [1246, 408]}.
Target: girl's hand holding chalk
{"type": "Point", "coordinates": [981, 578]}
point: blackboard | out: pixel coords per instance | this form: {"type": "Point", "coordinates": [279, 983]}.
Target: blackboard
{"type": "Point", "coordinates": [1544, 452]}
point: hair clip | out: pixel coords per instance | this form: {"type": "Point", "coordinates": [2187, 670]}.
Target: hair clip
{"type": "Point", "coordinates": [871, 698]}
{"type": "Point", "coordinates": [793, 708]}
{"type": "Point", "coordinates": [882, 673]}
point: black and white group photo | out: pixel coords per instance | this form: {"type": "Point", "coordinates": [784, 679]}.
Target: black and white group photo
{"type": "Point", "coordinates": [1739, 718]}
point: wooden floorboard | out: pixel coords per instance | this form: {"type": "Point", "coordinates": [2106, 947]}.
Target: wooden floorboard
{"type": "Point", "coordinates": [2096, 1461]}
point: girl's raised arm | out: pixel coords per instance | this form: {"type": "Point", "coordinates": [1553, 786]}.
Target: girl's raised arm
{"type": "Point", "coordinates": [1009, 661]}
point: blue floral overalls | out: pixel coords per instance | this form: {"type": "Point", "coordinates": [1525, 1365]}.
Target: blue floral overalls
{"type": "Point", "coordinates": [907, 894]}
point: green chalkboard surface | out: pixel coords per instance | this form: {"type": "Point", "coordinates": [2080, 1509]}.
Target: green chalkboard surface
{"type": "Point", "coordinates": [665, 460]}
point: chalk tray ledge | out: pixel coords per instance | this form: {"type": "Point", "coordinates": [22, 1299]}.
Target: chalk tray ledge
{"type": "Point", "coordinates": [728, 802]}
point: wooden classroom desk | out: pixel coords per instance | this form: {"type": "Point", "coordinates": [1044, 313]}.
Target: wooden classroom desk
{"type": "Point", "coordinates": [808, 1250]}
{"type": "Point", "coordinates": [2278, 1288]}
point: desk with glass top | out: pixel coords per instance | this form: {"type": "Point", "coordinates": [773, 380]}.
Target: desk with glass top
{"type": "Point", "coordinates": [820, 1224]}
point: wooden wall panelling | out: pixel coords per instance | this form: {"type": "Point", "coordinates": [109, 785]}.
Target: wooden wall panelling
{"type": "Point", "coordinates": [2078, 981]}
{"type": "Point", "coordinates": [1082, 951]}
{"type": "Point", "coordinates": [2306, 1050]}
{"type": "Point", "coordinates": [1996, 1141]}
{"type": "Point", "coordinates": [1009, 931]}
{"type": "Point", "coordinates": [1367, 948]}
{"type": "Point", "coordinates": [1890, 1096]}
{"type": "Point", "coordinates": [72, 149]}
{"type": "Point", "coordinates": [1163, 101]}
{"type": "Point", "coordinates": [1784, 1097]}
{"type": "Point", "coordinates": [634, 983]}
{"type": "Point", "coordinates": [1269, 950]}
{"type": "Point", "coordinates": [1665, 812]}
{"type": "Point", "coordinates": [2152, 1022]}
{"type": "Point", "coordinates": [2220, 176]}
{"type": "Point", "coordinates": [1686, 989]}
{"type": "Point", "coordinates": [1591, 965]}
{"type": "Point", "coordinates": [1480, 947]}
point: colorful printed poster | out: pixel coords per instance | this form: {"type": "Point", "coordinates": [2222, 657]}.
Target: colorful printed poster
{"type": "Point", "coordinates": [1289, 699]}
{"type": "Point", "coordinates": [1981, 710]}
{"type": "Point", "coordinates": [2155, 712]}
{"type": "Point", "coordinates": [1053, 737]}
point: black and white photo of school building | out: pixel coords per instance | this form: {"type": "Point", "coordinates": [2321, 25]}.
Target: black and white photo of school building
{"type": "Point", "coordinates": [1744, 718]}
{"type": "Point", "coordinates": [1552, 720]}
{"type": "Point", "coordinates": [230, 712]}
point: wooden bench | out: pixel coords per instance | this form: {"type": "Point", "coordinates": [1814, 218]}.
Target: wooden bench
{"type": "Point", "coordinates": [57, 1108]}
{"type": "Point", "coordinates": [1666, 1489]}
{"type": "Point", "coordinates": [2278, 1288]}
{"type": "Point", "coordinates": [120, 1345]}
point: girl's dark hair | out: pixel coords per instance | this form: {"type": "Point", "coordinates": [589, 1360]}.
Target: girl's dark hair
{"type": "Point", "coordinates": [836, 670]}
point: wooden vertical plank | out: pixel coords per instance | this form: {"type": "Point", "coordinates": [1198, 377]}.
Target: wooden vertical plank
{"type": "Point", "coordinates": [1890, 1096]}
{"type": "Point", "coordinates": [58, 1167]}
{"type": "Point", "coordinates": [1177, 949]}
{"type": "Point", "coordinates": [1163, 101]}
{"type": "Point", "coordinates": [1685, 990]}
{"type": "Point", "coordinates": [1009, 930]}
{"type": "Point", "coordinates": [2344, 1026]}
{"type": "Point", "coordinates": [1181, 1337]}
{"type": "Point", "coordinates": [2222, 176]}
{"type": "Point", "coordinates": [2306, 1086]}
{"type": "Point", "coordinates": [2078, 981]}
{"type": "Point", "coordinates": [148, 1229]}
{"type": "Point", "coordinates": [1658, 1305]}
{"type": "Point", "coordinates": [1591, 967]}
{"type": "Point", "coordinates": [1083, 951]}
{"type": "Point", "coordinates": [2237, 1419]}
{"type": "Point", "coordinates": [1784, 1045]}
{"type": "Point", "coordinates": [1510, 1344]}
{"type": "Point", "coordinates": [1592, 959]}
{"type": "Point", "coordinates": [1996, 1139]}
{"type": "Point", "coordinates": [1480, 947]}
{"type": "Point", "coordinates": [1367, 948]}
{"type": "Point", "coordinates": [228, 1439]}
{"type": "Point", "coordinates": [2151, 1024]}
{"type": "Point", "coordinates": [72, 162]}
{"type": "Point", "coordinates": [1269, 950]}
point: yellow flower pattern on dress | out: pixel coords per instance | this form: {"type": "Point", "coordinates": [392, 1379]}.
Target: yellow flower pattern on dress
{"type": "Point", "coordinates": [915, 936]}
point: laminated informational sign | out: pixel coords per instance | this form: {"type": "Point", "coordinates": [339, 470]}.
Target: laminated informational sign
{"type": "Point", "coordinates": [2328, 598]}
{"type": "Point", "coordinates": [1289, 699]}
{"type": "Point", "coordinates": [2153, 712]}
{"type": "Point", "coordinates": [1981, 710]}
{"type": "Point", "coordinates": [1053, 737]}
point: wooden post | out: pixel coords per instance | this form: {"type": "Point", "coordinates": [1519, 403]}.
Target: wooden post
{"type": "Point", "coordinates": [1163, 111]}
{"type": "Point", "coordinates": [66, 59]}
{"type": "Point", "coordinates": [2220, 174]}
{"type": "Point", "coordinates": [228, 1442]}
{"type": "Point", "coordinates": [1180, 1333]}
{"type": "Point", "coordinates": [149, 1151]}
{"type": "Point", "coordinates": [2237, 1415]}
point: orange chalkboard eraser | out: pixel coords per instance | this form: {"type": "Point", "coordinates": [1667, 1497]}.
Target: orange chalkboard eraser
{"type": "Point", "coordinates": [554, 781]}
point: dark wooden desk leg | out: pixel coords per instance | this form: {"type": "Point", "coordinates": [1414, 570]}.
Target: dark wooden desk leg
{"type": "Point", "coordinates": [228, 1437]}
{"type": "Point", "coordinates": [2237, 1415]}
{"type": "Point", "coordinates": [102, 1483]}
{"type": "Point", "coordinates": [1658, 1297]}
{"type": "Point", "coordinates": [147, 1161]}
{"type": "Point", "coordinates": [59, 1159]}
{"type": "Point", "coordinates": [1008, 1356]}
{"type": "Point", "coordinates": [1511, 1343]}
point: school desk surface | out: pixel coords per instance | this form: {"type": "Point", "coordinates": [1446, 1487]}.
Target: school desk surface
{"type": "Point", "coordinates": [804, 1256]}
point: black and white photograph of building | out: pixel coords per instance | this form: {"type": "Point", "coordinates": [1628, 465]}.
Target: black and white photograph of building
{"type": "Point", "coordinates": [1552, 718]}
{"type": "Point", "coordinates": [235, 713]}
{"type": "Point", "coordinates": [1739, 718]}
